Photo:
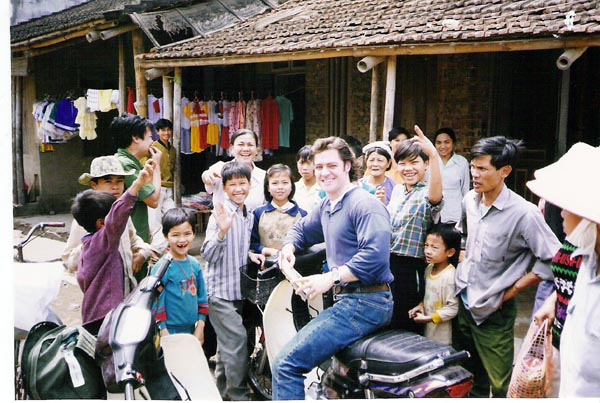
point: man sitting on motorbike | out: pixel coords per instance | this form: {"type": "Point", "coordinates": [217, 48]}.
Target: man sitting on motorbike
{"type": "Point", "coordinates": [356, 230]}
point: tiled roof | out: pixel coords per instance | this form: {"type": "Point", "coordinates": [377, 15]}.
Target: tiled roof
{"type": "Point", "coordinates": [309, 25]}
{"type": "Point", "coordinates": [84, 13]}
{"type": "Point", "coordinates": [89, 12]}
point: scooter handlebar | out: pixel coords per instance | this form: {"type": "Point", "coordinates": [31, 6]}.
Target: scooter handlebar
{"type": "Point", "coordinates": [53, 224]}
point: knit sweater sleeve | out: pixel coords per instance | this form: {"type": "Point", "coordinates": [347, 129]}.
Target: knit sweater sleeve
{"type": "Point", "coordinates": [159, 310]}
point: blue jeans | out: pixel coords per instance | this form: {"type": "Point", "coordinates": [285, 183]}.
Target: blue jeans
{"type": "Point", "coordinates": [352, 317]}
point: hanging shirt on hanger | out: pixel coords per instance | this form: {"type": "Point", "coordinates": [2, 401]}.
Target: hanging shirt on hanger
{"type": "Point", "coordinates": [213, 129]}
{"type": "Point", "coordinates": [66, 113]}
{"type": "Point", "coordinates": [224, 108]}
{"type": "Point", "coordinates": [154, 108]}
{"type": "Point", "coordinates": [192, 111]}
{"type": "Point", "coordinates": [185, 145]}
{"type": "Point", "coordinates": [130, 100]}
{"type": "Point", "coordinates": [286, 114]}
{"type": "Point", "coordinates": [203, 117]}
{"type": "Point", "coordinates": [270, 123]}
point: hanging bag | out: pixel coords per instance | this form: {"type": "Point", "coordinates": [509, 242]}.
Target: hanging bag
{"type": "Point", "coordinates": [532, 366]}
{"type": "Point", "coordinates": [58, 363]}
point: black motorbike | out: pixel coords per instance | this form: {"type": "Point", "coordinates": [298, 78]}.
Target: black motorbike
{"type": "Point", "coordinates": [385, 364]}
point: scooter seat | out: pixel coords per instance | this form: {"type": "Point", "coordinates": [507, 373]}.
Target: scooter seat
{"type": "Point", "coordinates": [391, 352]}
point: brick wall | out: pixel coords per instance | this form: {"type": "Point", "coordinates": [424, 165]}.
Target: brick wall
{"type": "Point", "coordinates": [464, 97]}
{"type": "Point", "coordinates": [317, 101]}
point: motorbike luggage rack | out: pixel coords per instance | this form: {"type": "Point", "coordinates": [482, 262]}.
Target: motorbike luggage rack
{"type": "Point", "coordinates": [439, 362]}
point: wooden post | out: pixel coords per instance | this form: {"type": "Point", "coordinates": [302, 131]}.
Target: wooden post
{"type": "Point", "coordinates": [390, 96]}
{"type": "Point", "coordinates": [19, 196]}
{"type": "Point", "coordinates": [177, 135]}
{"type": "Point", "coordinates": [374, 104]}
{"type": "Point", "coordinates": [563, 116]}
{"type": "Point", "coordinates": [122, 87]}
{"type": "Point", "coordinates": [141, 90]}
{"type": "Point", "coordinates": [167, 97]}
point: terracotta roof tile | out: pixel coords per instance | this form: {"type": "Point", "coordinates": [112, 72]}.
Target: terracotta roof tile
{"type": "Point", "coordinates": [325, 24]}
{"type": "Point", "coordinates": [84, 13]}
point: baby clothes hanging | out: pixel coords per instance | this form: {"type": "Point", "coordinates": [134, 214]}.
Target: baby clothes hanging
{"type": "Point", "coordinates": [85, 119]}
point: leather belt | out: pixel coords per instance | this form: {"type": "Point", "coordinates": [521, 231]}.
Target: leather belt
{"type": "Point", "coordinates": [361, 289]}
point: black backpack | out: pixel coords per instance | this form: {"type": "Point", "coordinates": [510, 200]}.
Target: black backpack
{"type": "Point", "coordinates": [58, 363]}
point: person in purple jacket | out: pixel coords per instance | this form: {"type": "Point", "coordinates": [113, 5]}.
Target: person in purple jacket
{"type": "Point", "coordinates": [100, 272]}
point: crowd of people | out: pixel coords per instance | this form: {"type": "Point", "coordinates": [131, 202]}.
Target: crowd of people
{"type": "Point", "coordinates": [416, 237]}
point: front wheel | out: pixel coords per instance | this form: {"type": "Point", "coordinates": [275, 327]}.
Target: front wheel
{"type": "Point", "coordinates": [259, 373]}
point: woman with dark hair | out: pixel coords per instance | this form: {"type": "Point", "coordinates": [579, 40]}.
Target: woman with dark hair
{"type": "Point", "coordinates": [243, 149]}
{"type": "Point", "coordinates": [455, 175]}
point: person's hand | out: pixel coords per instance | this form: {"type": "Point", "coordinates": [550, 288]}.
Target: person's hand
{"type": "Point", "coordinates": [163, 332]}
{"type": "Point", "coordinates": [146, 174]}
{"type": "Point", "coordinates": [212, 174]}
{"type": "Point", "coordinates": [421, 318]}
{"type": "Point", "coordinates": [270, 252]}
{"type": "Point", "coordinates": [138, 262]}
{"type": "Point", "coordinates": [257, 258]}
{"type": "Point", "coordinates": [380, 193]}
{"type": "Point", "coordinates": [155, 154]}
{"type": "Point", "coordinates": [425, 144]}
{"type": "Point", "coordinates": [314, 285]}
{"type": "Point", "coordinates": [286, 256]}
{"type": "Point", "coordinates": [546, 311]}
{"type": "Point", "coordinates": [208, 178]}
{"type": "Point", "coordinates": [199, 331]}
{"type": "Point", "coordinates": [416, 310]}
{"type": "Point", "coordinates": [223, 218]}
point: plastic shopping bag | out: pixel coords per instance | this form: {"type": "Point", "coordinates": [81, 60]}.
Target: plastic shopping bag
{"type": "Point", "coordinates": [532, 366]}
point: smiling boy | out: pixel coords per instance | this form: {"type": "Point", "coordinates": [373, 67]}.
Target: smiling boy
{"type": "Point", "coordinates": [182, 306]}
{"type": "Point", "coordinates": [226, 249]}
{"type": "Point", "coordinates": [414, 207]}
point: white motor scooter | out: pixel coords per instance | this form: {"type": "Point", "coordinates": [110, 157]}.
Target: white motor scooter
{"type": "Point", "coordinates": [386, 364]}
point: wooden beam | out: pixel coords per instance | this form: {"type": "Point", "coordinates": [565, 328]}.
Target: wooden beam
{"type": "Point", "coordinates": [177, 92]}
{"type": "Point", "coordinates": [52, 48]}
{"type": "Point", "coordinates": [383, 50]}
{"type": "Point", "coordinates": [141, 90]}
{"type": "Point", "coordinates": [61, 35]}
